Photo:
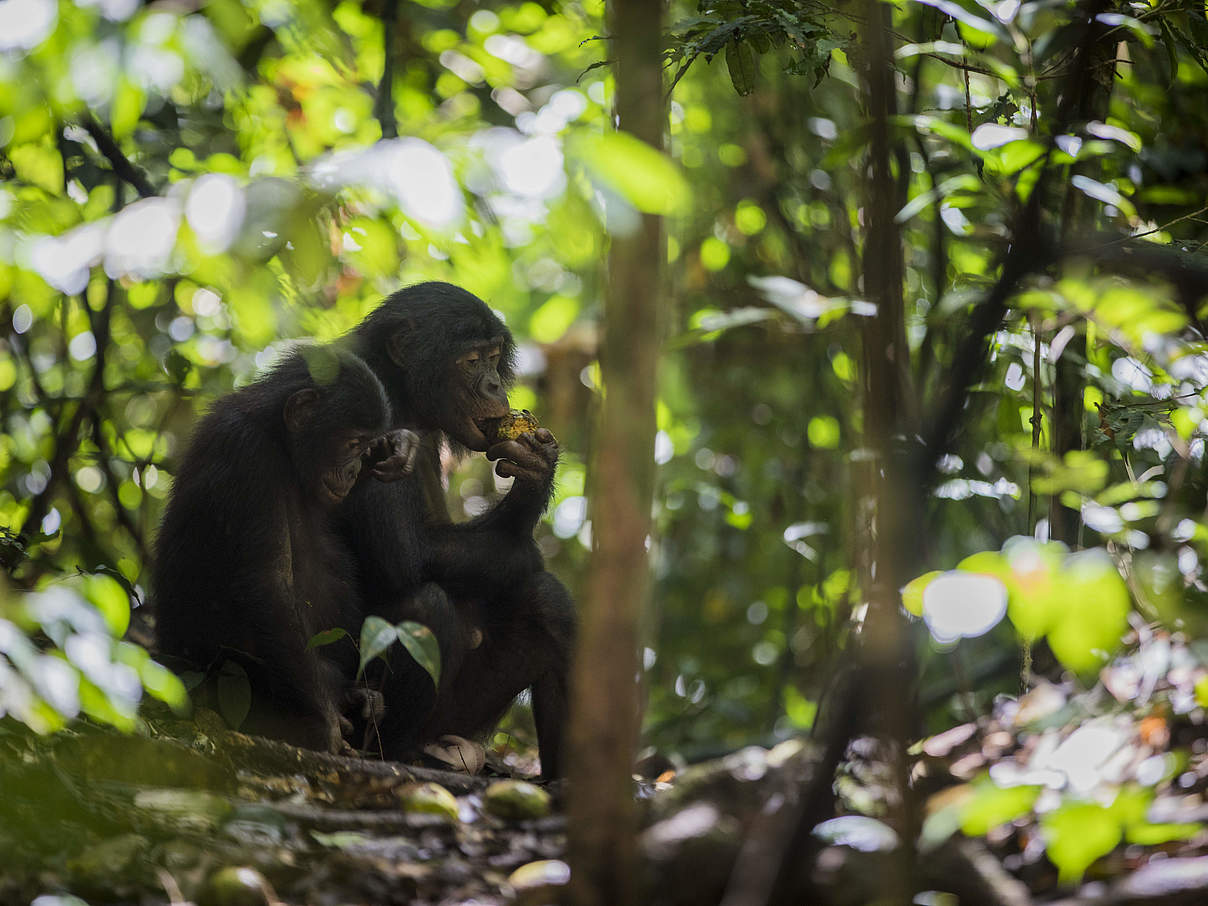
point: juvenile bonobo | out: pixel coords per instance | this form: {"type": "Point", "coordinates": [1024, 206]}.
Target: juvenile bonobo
{"type": "Point", "coordinates": [503, 623]}
{"type": "Point", "coordinates": [247, 565]}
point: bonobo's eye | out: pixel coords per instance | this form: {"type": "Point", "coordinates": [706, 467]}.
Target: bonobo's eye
{"type": "Point", "coordinates": [353, 445]}
{"type": "Point", "coordinates": [495, 355]}
{"type": "Point", "coordinates": [469, 361]}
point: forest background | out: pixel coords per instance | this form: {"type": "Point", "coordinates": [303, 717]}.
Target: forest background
{"type": "Point", "coordinates": [1019, 356]}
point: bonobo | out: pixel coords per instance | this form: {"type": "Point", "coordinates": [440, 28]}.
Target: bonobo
{"type": "Point", "coordinates": [503, 623]}
{"type": "Point", "coordinates": [246, 564]}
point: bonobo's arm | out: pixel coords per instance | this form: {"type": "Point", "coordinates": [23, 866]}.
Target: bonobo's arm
{"type": "Point", "coordinates": [497, 547]}
{"type": "Point", "coordinates": [384, 523]}
{"type": "Point", "coordinates": [530, 460]}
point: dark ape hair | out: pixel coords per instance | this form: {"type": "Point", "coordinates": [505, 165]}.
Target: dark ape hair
{"type": "Point", "coordinates": [439, 320]}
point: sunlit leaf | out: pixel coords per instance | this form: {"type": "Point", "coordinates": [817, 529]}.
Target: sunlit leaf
{"type": "Point", "coordinates": [1095, 616]}
{"type": "Point", "coordinates": [1102, 192]}
{"type": "Point", "coordinates": [648, 180]}
{"type": "Point", "coordinates": [164, 685]}
{"type": "Point", "coordinates": [912, 593]}
{"type": "Point", "coordinates": [108, 596]}
{"type": "Point", "coordinates": [992, 805]}
{"type": "Point", "coordinates": [1157, 834]}
{"type": "Point", "coordinates": [1077, 834]}
{"type": "Point", "coordinates": [376, 636]}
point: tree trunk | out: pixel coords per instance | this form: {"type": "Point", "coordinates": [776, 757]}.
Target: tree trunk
{"type": "Point", "coordinates": [604, 695]}
{"type": "Point", "coordinates": [896, 494]}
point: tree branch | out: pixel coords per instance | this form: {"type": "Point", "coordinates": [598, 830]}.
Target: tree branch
{"type": "Point", "coordinates": [121, 164]}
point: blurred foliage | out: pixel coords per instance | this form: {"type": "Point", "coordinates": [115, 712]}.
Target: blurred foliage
{"type": "Point", "coordinates": [184, 187]}
{"type": "Point", "coordinates": [63, 657]}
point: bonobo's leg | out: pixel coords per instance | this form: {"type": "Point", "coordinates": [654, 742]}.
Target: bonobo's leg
{"type": "Point", "coordinates": [306, 715]}
{"type": "Point", "coordinates": [407, 687]}
{"type": "Point", "coordinates": [528, 638]}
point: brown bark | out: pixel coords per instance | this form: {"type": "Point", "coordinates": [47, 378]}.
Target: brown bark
{"type": "Point", "coordinates": [888, 404]}
{"type": "Point", "coordinates": [604, 703]}
{"type": "Point", "coordinates": [1088, 99]}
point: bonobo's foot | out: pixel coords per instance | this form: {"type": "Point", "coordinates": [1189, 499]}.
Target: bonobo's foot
{"type": "Point", "coordinates": [457, 753]}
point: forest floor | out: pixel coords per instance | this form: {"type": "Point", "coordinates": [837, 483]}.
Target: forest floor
{"type": "Point", "coordinates": [1076, 798]}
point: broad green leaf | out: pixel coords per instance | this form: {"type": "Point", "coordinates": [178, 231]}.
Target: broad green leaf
{"type": "Point", "coordinates": [163, 684]}
{"type": "Point", "coordinates": [128, 103]}
{"type": "Point", "coordinates": [912, 593]}
{"type": "Point", "coordinates": [550, 321]}
{"type": "Point", "coordinates": [993, 805]}
{"type": "Point", "coordinates": [421, 644]}
{"type": "Point", "coordinates": [1077, 834]}
{"type": "Point", "coordinates": [743, 66]}
{"type": "Point", "coordinates": [107, 595]}
{"type": "Point", "coordinates": [647, 179]}
{"type": "Point", "coordinates": [1157, 834]}
{"type": "Point", "coordinates": [1102, 192]}
{"type": "Point", "coordinates": [109, 709]}
{"type": "Point", "coordinates": [1095, 616]}
{"type": "Point", "coordinates": [376, 636]}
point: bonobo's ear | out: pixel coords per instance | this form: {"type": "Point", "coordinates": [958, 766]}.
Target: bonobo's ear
{"type": "Point", "coordinates": [396, 345]}
{"type": "Point", "coordinates": [299, 408]}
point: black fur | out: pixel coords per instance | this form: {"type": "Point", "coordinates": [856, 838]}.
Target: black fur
{"type": "Point", "coordinates": [247, 565]}
{"type": "Point", "coordinates": [485, 577]}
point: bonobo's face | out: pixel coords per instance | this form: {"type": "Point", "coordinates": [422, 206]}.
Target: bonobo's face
{"type": "Point", "coordinates": [330, 432]}
{"type": "Point", "coordinates": [477, 393]}
{"type": "Point", "coordinates": [339, 465]}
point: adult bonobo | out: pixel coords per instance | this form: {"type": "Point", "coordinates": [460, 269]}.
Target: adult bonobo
{"type": "Point", "coordinates": [504, 624]}
{"type": "Point", "coordinates": [247, 565]}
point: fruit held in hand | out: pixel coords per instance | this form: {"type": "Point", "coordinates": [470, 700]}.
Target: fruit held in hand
{"type": "Point", "coordinates": [510, 426]}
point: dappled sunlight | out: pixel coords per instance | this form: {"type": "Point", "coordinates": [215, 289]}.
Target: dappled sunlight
{"type": "Point", "coordinates": [963, 605]}
{"type": "Point", "coordinates": [409, 171]}
{"type": "Point", "coordinates": [24, 24]}
{"type": "Point", "coordinates": [215, 210]}
{"type": "Point", "coordinates": [141, 238]}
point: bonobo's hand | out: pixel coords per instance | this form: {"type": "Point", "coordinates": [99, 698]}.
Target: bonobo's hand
{"type": "Point", "coordinates": [392, 455]}
{"type": "Point", "coordinates": [530, 457]}
{"type": "Point", "coordinates": [368, 704]}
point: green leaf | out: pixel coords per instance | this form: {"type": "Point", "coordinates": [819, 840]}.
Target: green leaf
{"type": "Point", "coordinates": [912, 593]}
{"type": "Point", "coordinates": [128, 103]}
{"type": "Point", "coordinates": [326, 637]}
{"type": "Point", "coordinates": [421, 644]}
{"type": "Point", "coordinates": [743, 66]}
{"type": "Point", "coordinates": [646, 178]}
{"type": "Point", "coordinates": [1157, 834]}
{"type": "Point", "coordinates": [992, 806]}
{"type": "Point", "coordinates": [376, 636]}
{"type": "Point", "coordinates": [106, 594]}
{"type": "Point", "coordinates": [163, 684]}
{"type": "Point", "coordinates": [1096, 609]}
{"type": "Point", "coordinates": [1201, 692]}
{"type": "Point", "coordinates": [234, 694]}
{"type": "Point", "coordinates": [1077, 834]}
{"type": "Point", "coordinates": [1102, 192]}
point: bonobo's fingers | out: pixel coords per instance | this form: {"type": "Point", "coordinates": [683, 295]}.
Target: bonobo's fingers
{"type": "Point", "coordinates": [527, 458]}
{"type": "Point", "coordinates": [393, 454]}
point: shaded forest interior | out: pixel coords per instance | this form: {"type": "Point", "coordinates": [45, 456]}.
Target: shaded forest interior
{"type": "Point", "coordinates": [872, 339]}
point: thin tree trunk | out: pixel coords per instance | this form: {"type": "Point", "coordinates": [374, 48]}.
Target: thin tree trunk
{"type": "Point", "coordinates": [1088, 99]}
{"type": "Point", "coordinates": [604, 695]}
{"type": "Point", "coordinates": [888, 409]}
